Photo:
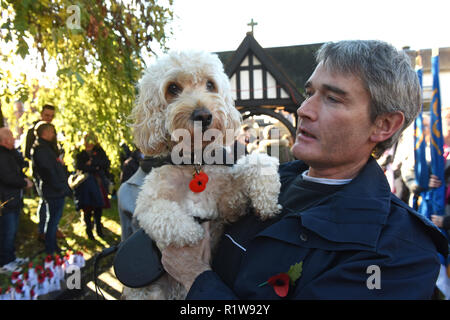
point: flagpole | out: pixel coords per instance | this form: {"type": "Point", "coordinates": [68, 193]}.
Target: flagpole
{"type": "Point", "coordinates": [421, 168]}
{"type": "Point", "coordinates": [437, 139]}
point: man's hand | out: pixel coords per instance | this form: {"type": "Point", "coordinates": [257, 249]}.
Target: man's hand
{"type": "Point", "coordinates": [185, 264]}
{"type": "Point", "coordinates": [29, 183]}
{"type": "Point", "coordinates": [437, 220]}
{"type": "Point", "coordinates": [434, 182]}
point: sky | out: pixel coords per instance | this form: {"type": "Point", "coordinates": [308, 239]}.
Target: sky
{"type": "Point", "coordinates": [221, 25]}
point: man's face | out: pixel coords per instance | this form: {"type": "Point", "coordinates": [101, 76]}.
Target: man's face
{"type": "Point", "coordinates": [7, 139]}
{"type": "Point", "coordinates": [334, 124]}
{"type": "Point", "coordinates": [47, 115]}
{"type": "Point", "coordinates": [48, 134]}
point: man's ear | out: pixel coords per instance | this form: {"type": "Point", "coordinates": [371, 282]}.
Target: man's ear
{"type": "Point", "coordinates": [386, 125]}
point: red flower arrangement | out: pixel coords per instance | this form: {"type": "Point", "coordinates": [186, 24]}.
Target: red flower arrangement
{"type": "Point", "coordinates": [15, 275]}
{"type": "Point", "coordinates": [41, 277]}
{"type": "Point", "coordinates": [67, 255]}
{"type": "Point", "coordinates": [280, 282]}
{"type": "Point", "coordinates": [198, 182]}
{"type": "Point", "coordinates": [58, 261]}
{"type": "Point", "coordinates": [49, 258]}
{"type": "Point", "coordinates": [19, 288]}
{"type": "Point", "coordinates": [49, 273]}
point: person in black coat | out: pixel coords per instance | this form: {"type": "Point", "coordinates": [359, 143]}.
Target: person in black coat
{"type": "Point", "coordinates": [91, 196]}
{"type": "Point", "coordinates": [131, 165]}
{"type": "Point", "coordinates": [12, 181]}
{"type": "Point", "coordinates": [47, 114]}
{"type": "Point", "coordinates": [53, 179]}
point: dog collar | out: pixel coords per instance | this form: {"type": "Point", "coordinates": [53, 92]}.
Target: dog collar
{"type": "Point", "coordinates": [201, 220]}
{"type": "Point", "coordinates": [225, 160]}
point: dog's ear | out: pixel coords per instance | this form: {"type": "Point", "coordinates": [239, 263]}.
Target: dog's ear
{"type": "Point", "coordinates": [148, 116]}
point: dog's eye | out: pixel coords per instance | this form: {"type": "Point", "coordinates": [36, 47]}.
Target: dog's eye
{"type": "Point", "coordinates": [210, 86]}
{"type": "Point", "coordinates": [174, 89]}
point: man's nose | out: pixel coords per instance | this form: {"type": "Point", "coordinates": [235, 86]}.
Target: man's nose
{"type": "Point", "coordinates": [308, 109]}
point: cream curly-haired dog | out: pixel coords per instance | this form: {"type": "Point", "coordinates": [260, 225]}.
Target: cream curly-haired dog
{"type": "Point", "coordinates": [181, 92]}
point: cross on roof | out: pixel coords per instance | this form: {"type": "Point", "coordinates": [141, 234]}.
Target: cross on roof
{"type": "Point", "coordinates": [252, 24]}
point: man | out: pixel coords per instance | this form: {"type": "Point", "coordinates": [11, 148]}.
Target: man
{"type": "Point", "coordinates": [47, 115]}
{"type": "Point", "coordinates": [12, 181]}
{"type": "Point", "coordinates": [341, 231]}
{"type": "Point", "coordinates": [52, 178]}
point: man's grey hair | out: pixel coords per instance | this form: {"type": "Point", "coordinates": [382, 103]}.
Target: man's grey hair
{"type": "Point", "coordinates": [385, 72]}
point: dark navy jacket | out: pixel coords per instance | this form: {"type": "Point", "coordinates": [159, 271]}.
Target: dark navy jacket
{"type": "Point", "coordinates": [52, 174]}
{"type": "Point", "coordinates": [12, 179]}
{"type": "Point", "coordinates": [361, 225]}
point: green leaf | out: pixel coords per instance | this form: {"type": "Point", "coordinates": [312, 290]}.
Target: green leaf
{"type": "Point", "coordinates": [295, 271]}
{"type": "Point", "coordinates": [79, 78]}
{"type": "Point", "coordinates": [22, 48]}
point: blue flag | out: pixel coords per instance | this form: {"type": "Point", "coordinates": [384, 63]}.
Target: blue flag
{"type": "Point", "coordinates": [437, 140]}
{"type": "Point", "coordinates": [421, 168]}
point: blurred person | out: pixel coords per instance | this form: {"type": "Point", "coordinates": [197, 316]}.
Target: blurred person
{"type": "Point", "coordinates": [131, 165]}
{"type": "Point", "coordinates": [128, 193]}
{"type": "Point", "coordinates": [274, 145]}
{"type": "Point", "coordinates": [18, 112]}
{"type": "Point", "coordinates": [52, 177]}
{"type": "Point", "coordinates": [12, 181]}
{"type": "Point", "coordinates": [47, 115]}
{"type": "Point", "coordinates": [404, 164]}
{"type": "Point", "coordinates": [92, 195]}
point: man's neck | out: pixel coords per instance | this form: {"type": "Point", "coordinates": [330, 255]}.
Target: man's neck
{"type": "Point", "coordinates": [348, 171]}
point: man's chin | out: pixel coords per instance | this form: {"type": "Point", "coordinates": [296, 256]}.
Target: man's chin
{"type": "Point", "coordinates": [303, 153]}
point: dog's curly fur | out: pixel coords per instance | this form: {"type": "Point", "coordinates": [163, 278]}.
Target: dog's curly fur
{"type": "Point", "coordinates": [169, 92]}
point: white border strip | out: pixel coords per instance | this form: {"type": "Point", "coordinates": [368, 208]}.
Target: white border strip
{"type": "Point", "coordinates": [232, 240]}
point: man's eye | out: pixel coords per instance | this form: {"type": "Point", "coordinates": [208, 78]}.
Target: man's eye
{"type": "Point", "coordinates": [307, 94]}
{"type": "Point", "coordinates": [174, 89]}
{"type": "Point", "coordinates": [210, 86]}
{"type": "Point", "coordinates": [332, 99]}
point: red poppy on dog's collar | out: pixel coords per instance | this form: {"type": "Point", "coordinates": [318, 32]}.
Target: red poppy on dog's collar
{"type": "Point", "coordinates": [199, 180]}
{"type": "Point", "coordinates": [281, 281]}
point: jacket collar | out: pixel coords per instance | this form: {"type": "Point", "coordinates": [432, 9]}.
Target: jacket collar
{"type": "Point", "coordinates": [355, 214]}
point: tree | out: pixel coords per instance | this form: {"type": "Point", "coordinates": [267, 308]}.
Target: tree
{"type": "Point", "coordinates": [98, 48]}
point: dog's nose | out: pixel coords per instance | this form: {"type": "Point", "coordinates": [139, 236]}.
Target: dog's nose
{"type": "Point", "coordinates": [203, 115]}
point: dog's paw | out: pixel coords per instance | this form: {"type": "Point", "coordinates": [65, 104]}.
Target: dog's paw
{"type": "Point", "coordinates": [185, 232]}
{"type": "Point", "coordinates": [257, 164]}
{"type": "Point", "coordinates": [269, 213]}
